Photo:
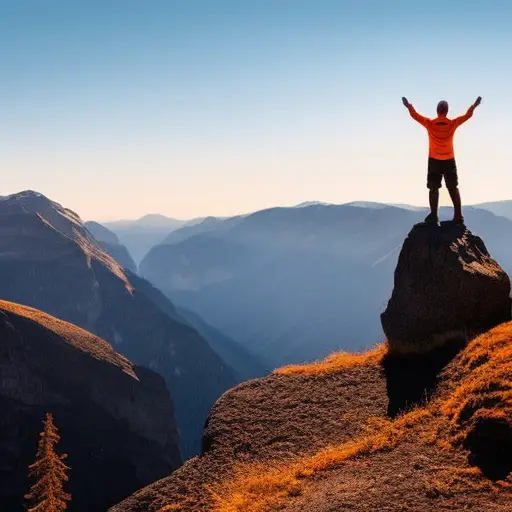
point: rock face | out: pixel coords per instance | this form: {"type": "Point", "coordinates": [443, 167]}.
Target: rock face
{"type": "Point", "coordinates": [268, 420]}
{"type": "Point", "coordinates": [116, 420]}
{"type": "Point", "coordinates": [447, 286]}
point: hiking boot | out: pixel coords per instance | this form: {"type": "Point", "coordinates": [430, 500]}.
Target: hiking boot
{"type": "Point", "coordinates": [458, 220]}
{"type": "Point", "coordinates": [431, 219]}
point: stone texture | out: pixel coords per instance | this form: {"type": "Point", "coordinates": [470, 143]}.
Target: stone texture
{"type": "Point", "coordinates": [447, 287]}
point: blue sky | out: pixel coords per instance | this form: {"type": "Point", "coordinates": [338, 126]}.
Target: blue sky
{"type": "Point", "coordinates": [198, 107]}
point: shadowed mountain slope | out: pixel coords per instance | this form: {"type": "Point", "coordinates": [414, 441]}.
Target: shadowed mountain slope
{"type": "Point", "coordinates": [65, 273]}
{"type": "Point", "coordinates": [245, 365]}
{"type": "Point", "coordinates": [113, 417]}
{"type": "Point", "coordinates": [101, 233]}
{"type": "Point", "coordinates": [208, 225]}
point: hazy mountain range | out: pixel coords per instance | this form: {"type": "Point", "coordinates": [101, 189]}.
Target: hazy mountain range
{"type": "Point", "coordinates": [503, 208]}
{"type": "Point", "coordinates": [293, 284]}
{"type": "Point", "coordinates": [141, 234]}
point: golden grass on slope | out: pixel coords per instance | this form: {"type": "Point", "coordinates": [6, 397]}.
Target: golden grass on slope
{"type": "Point", "coordinates": [335, 362]}
{"type": "Point", "coordinates": [483, 390]}
{"type": "Point", "coordinates": [265, 487]}
{"type": "Point", "coordinates": [484, 374]}
{"type": "Point", "coordinates": [75, 336]}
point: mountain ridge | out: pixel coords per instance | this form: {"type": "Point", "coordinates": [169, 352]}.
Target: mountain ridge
{"type": "Point", "coordinates": [67, 274]}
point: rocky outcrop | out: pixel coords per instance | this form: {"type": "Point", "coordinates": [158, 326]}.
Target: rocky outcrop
{"type": "Point", "coordinates": [267, 420]}
{"type": "Point", "coordinates": [447, 287]}
{"type": "Point", "coordinates": [320, 438]}
{"type": "Point", "coordinates": [116, 420]}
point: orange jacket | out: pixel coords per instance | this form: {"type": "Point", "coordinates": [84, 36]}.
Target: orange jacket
{"type": "Point", "coordinates": [440, 132]}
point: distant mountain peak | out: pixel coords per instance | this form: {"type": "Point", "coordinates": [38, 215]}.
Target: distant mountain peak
{"type": "Point", "coordinates": [27, 204]}
{"type": "Point", "coordinates": [26, 194]}
{"type": "Point", "coordinates": [367, 204]}
{"type": "Point", "coordinates": [311, 203]}
{"type": "Point", "coordinates": [35, 202]}
{"type": "Point", "coordinates": [28, 200]}
{"type": "Point", "coordinates": [155, 217]}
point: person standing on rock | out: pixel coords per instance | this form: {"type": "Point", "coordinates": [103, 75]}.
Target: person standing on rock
{"type": "Point", "coordinates": [441, 158]}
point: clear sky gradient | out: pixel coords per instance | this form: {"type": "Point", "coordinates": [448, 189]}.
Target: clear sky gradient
{"type": "Point", "coordinates": [118, 108]}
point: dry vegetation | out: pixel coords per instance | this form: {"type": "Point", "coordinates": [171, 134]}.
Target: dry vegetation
{"type": "Point", "coordinates": [75, 336]}
{"type": "Point", "coordinates": [335, 362]}
{"type": "Point", "coordinates": [262, 487]}
{"type": "Point", "coordinates": [318, 438]}
{"type": "Point", "coordinates": [477, 390]}
{"type": "Point", "coordinates": [480, 407]}
{"type": "Point", "coordinates": [484, 375]}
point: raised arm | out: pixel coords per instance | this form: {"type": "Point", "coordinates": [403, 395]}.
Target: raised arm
{"type": "Point", "coordinates": [462, 119]}
{"type": "Point", "coordinates": [417, 117]}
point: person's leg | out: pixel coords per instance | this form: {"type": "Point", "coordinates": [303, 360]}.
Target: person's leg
{"type": "Point", "coordinates": [433, 199]}
{"type": "Point", "coordinates": [457, 203]}
{"type": "Point", "coordinates": [452, 184]}
{"type": "Point", "coordinates": [434, 183]}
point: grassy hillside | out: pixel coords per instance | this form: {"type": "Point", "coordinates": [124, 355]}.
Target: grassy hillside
{"type": "Point", "coordinates": [322, 437]}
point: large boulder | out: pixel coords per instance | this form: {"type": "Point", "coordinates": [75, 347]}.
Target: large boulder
{"type": "Point", "coordinates": [447, 288]}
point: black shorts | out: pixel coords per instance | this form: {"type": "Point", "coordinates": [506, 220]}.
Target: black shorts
{"type": "Point", "coordinates": [439, 168]}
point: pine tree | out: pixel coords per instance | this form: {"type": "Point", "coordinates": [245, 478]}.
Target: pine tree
{"type": "Point", "coordinates": [48, 473]}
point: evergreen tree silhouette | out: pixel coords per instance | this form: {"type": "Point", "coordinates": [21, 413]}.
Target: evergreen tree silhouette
{"type": "Point", "coordinates": [48, 473]}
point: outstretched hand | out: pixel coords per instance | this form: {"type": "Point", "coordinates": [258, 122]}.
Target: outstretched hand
{"type": "Point", "coordinates": [404, 101]}
{"type": "Point", "coordinates": [478, 101]}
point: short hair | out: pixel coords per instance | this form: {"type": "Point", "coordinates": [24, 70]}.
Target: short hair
{"type": "Point", "coordinates": [442, 107]}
